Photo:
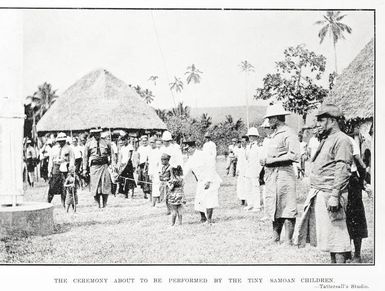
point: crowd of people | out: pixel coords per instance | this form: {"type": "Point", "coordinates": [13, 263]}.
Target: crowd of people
{"type": "Point", "coordinates": [267, 169]}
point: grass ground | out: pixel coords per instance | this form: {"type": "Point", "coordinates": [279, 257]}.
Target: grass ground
{"type": "Point", "coordinates": [130, 231]}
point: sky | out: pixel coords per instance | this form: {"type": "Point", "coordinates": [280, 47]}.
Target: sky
{"type": "Point", "coordinates": [61, 46]}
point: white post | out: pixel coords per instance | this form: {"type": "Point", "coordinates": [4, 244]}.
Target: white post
{"type": "Point", "coordinates": [11, 108]}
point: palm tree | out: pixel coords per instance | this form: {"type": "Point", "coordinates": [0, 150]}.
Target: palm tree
{"type": "Point", "coordinates": [180, 111]}
{"type": "Point", "coordinates": [153, 79]}
{"type": "Point", "coordinates": [147, 96]}
{"type": "Point", "coordinates": [162, 113]}
{"type": "Point", "coordinates": [335, 28]}
{"type": "Point", "coordinates": [193, 74]}
{"type": "Point", "coordinates": [43, 98]}
{"type": "Point", "coordinates": [247, 68]}
{"type": "Point", "coordinates": [39, 102]}
{"type": "Point", "coordinates": [206, 120]}
{"type": "Point", "coordinates": [177, 85]}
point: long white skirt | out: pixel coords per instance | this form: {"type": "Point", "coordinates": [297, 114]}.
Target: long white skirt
{"type": "Point", "coordinates": [252, 192]}
{"type": "Point", "coordinates": [332, 235]}
{"type": "Point", "coordinates": [241, 187]}
{"type": "Point", "coordinates": [206, 198]}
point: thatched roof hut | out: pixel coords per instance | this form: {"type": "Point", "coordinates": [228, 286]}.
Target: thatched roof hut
{"type": "Point", "coordinates": [100, 99]}
{"type": "Point", "coordinates": [353, 91]}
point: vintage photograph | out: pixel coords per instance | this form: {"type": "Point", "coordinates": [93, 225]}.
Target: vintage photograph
{"type": "Point", "coordinates": [190, 137]}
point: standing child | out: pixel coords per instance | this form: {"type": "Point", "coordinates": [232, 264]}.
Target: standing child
{"type": "Point", "coordinates": [71, 184]}
{"type": "Point", "coordinates": [171, 188]}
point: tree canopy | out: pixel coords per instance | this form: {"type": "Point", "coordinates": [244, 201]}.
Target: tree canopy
{"type": "Point", "coordinates": [295, 81]}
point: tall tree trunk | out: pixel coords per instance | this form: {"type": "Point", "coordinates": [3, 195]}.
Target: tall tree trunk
{"type": "Point", "coordinates": [335, 56]}
{"type": "Point", "coordinates": [247, 103]}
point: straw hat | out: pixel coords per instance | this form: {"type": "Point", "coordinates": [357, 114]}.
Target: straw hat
{"type": "Point", "coordinates": [166, 136]}
{"type": "Point", "coordinates": [253, 131]}
{"type": "Point", "coordinates": [61, 137]}
{"type": "Point", "coordinates": [208, 135]}
{"type": "Point", "coordinates": [234, 139]}
{"type": "Point", "coordinates": [96, 129]}
{"type": "Point", "coordinates": [275, 110]}
{"type": "Point", "coordinates": [329, 110]}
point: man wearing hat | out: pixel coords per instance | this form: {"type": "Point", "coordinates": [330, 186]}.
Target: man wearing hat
{"type": "Point", "coordinates": [98, 154]}
{"type": "Point", "coordinates": [329, 178]}
{"type": "Point", "coordinates": [61, 161]}
{"type": "Point", "coordinates": [209, 146]}
{"type": "Point", "coordinates": [253, 168]}
{"type": "Point", "coordinates": [208, 181]}
{"type": "Point", "coordinates": [280, 177]}
{"type": "Point", "coordinates": [232, 158]}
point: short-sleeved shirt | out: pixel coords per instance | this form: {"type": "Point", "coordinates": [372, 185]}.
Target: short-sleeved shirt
{"type": "Point", "coordinates": [91, 151]}
{"type": "Point", "coordinates": [331, 166]}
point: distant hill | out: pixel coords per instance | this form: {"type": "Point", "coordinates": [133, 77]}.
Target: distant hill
{"type": "Point", "coordinates": [256, 113]}
{"type": "Point", "coordinates": [218, 114]}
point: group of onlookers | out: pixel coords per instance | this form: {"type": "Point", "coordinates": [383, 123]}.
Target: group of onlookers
{"type": "Point", "coordinates": [269, 168]}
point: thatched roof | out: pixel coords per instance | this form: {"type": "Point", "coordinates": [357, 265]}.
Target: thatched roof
{"type": "Point", "coordinates": [99, 99]}
{"type": "Point", "coordinates": [353, 91]}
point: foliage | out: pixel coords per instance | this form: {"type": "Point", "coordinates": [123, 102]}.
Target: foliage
{"type": "Point", "coordinates": [333, 26]}
{"type": "Point", "coordinates": [332, 79]}
{"type": "Point", "coordinates": [42, 99]}
{"type": "Point", "coordinates": [181, 111]}
{"type": "Point", "coordinates": [183, 127]}
{"type": "Point", "coordinates": [246, 66]}
{"type": "Point", "coordinates": [146, 94]}
{"type": "Point", "coordinates": [162, 114]}
{"type": "Point", "coordinates": [294, 82]}
{"type": "Point", "coordinates": [153, 79]}
{"type": "Point", "coordinates": [38, 104]}
{"type": "Point", "coordinates": [177, 85]}
{"type": "Point", "coordinates": [193, 74]}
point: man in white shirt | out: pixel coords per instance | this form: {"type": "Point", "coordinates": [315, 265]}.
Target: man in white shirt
{"type": "Point", "coordinates": [241, 170]}
{"type": "Point", "coordinates": [154, 166]}
{"type": "Point", "coordinates": [253, 169]}
{"type": "Point", "coordinates": [209, 147]}
{"type": "Point", "coordinates": [143, 152]}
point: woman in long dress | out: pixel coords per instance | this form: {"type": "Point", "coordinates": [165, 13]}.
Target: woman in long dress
{"type": "Point", "coordinates": [208, 181]}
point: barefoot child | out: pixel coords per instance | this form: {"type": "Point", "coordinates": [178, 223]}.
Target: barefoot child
{"type": "Point", "coordinates": [71, 184]}
{"type": "Point", "coordinates": [176, 197]}
{"type": "Point", "coordinates": [171, 188]}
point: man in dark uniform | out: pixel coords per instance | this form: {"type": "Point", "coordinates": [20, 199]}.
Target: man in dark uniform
{"type": "Point", "coordinates": [98, 154]}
